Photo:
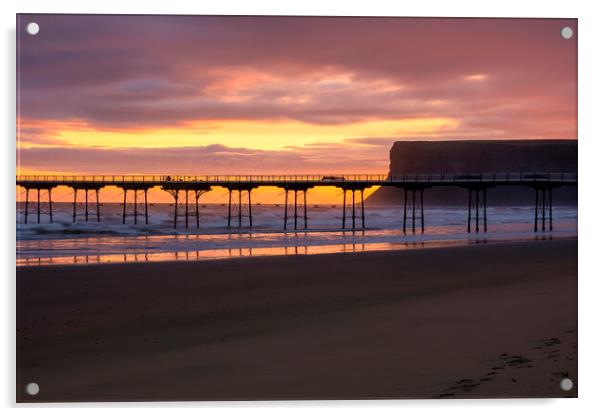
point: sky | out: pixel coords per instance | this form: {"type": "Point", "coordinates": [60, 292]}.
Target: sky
{"type": "Point", "coordinates": [194, 95]}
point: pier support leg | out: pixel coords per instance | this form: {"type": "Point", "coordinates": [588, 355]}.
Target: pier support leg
{"type": "Point", "coordinates": [175, 214]}
{"type": "Point", "coordinates": [97, 205]}
{"type": "Point", "coordinates": [542, 214]}
{"type": "Point", "coordinates": [477, 203]}
{"type": "Point", "coordinates": [146, 206]}
{"type": "Point", "coordinates": [550, 207]}
{"type": "Point", "coordinates": [239, 208]}
{"type": "Point", "coordinates": [250, 211]}
{"type": "Point", "coordinates": [74, 204]}
{"type": "Point", "coordinates": [26, 204]}
{"type": "Point", "coordinates": [305, 209]}
{"type": "Point", "coordinates": [363, 216]}
{"type": "Point", "coordinates": [405, 208]}
{"type": "Point", "coordinates": [50, 203]}
{"type": "Point", "coordinates": [344, 206]}
{"type": "Point", "coordinates": [536, 208]}
{"type": "Point", "coordinates": [125, 193]}
{"type": "Point", "coordinates": [135, 206]}
{"type": "Point", "coordinates": [86, 206]}
{"type": "Point", "coordinates": [353, 209]}
{"type": "Point", "coordinates": [542, 205]}
{"type": "Point", "coordinates": [422, 210]}
{"type": "Point", "coordinates": [485, 210]}
{"type": "Point", "coordinates": [197, 196]}
{"type": "Point", "coordinates": [38, 205]}
{"type": "Point", "coordinates": [543, 209]}
{"type": "Point", "coordinates": [413, 211]}
{"type": "Point", "coordinates": [186, 204]}
{"type": "Point", "coordinates": [295, 200]}
{"type": "Point", "coordinates": [469, 209]}
{"type": "Point", "coordinates": [229, 207]}
{"type": "Point", "coordinates": [285, 208]}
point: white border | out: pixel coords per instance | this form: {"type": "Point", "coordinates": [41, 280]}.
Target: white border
{"type": "Point", "coordinates": [590, 137]}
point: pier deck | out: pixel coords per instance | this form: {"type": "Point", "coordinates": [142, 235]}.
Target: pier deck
{"type": "Point", "coordinates": [413, 185]}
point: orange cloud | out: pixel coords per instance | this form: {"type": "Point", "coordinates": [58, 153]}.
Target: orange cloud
{"type": "Point", "coordinates": [476, 77]}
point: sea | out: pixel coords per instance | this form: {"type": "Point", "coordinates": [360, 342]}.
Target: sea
{"type": "Point", "coordinates": [110, 241]}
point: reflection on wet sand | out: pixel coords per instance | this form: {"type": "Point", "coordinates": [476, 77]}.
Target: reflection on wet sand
{"type": "Point", "coordinates": [188, 247]}
{"type": "Point", "coordinates": [215, 254]}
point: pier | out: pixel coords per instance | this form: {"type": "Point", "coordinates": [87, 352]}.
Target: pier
{"type": "Point", "coordinates": [187, 190]}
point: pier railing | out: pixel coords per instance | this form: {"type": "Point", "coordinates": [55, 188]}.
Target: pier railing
{"type": "Point", "coordinates": [376, 179]}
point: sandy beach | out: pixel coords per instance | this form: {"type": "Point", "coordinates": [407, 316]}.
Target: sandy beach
{"type": "Point", "coordinates": [486, 320]}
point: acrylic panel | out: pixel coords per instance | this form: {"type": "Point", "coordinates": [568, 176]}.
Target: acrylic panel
{"type": "Point", "coordinates": [286, 207]}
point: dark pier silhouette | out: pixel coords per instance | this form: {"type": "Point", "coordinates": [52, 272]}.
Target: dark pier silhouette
{"type": "Point", "coordinates": [187, 190]}
{"type": "Point", "coordinates": [297, 191]}
{"type": "Point", "coordinates": [354, 188]}
{"type": "Point", "coordinates": [417, 206]}
{"type": "Point", "coordinates": [89, 191]}
{"type": "Point", "coordinates": [240, 189]}
{"type": "Point", "coordinates": [192, 192]}
{"type": "Point", "coordinates": [135, 189]}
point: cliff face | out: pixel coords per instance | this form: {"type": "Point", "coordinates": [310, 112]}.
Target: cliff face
{"type": "Point", "coordinates": [484, 156]}
{"type": "Point", "coordinates": [465, 156]}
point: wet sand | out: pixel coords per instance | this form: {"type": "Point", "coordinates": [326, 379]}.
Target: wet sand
{"type": "Point", "coordinates": [488, 320]}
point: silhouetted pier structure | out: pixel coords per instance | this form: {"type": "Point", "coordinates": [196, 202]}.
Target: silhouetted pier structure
{"type": "Point", "coordinates": [193, 187]}
{"type": "Point", "coordinates": [416, 208]}
{"type": "Point", "coordinates": [354, 188]}
{"type": "Point", "coordinates": [297, 190]}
